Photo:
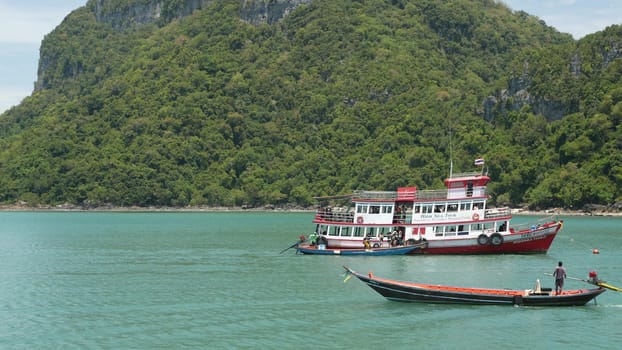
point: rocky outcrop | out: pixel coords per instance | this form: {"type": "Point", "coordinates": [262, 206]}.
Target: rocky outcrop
{"type": "Point", "coordinates": [268, 11]}
{"type": "Point", "coordinates": [122, 15]}
{"type": "Point", "coordinates": [519, 90]}
{"type": "Point", "coordinates": [603, 210]}
{"type": "Point", "coordinates": [613, 52]}
{"type": "Point", "coordinates": [517, 95]}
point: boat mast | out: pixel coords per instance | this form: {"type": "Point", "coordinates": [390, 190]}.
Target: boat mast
{"type": "Point", "coordinates": [451, 160]}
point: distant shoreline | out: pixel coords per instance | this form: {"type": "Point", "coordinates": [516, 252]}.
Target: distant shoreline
{"type": "Point", "coordinates": [76, 208]}
{"type": "Point", "coordinates": [207, 209]}
{"type": "Point", "coordinates": [561, 212]}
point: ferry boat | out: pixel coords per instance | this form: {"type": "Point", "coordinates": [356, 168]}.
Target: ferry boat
{"type": "Point", "coordinates": [452, 220]}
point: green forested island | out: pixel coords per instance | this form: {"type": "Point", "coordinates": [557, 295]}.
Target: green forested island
{"type": "Point", "coordinates": [272, 102]}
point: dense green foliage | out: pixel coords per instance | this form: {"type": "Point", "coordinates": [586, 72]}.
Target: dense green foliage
{"type": "Point", "coordinates": [339, 95]}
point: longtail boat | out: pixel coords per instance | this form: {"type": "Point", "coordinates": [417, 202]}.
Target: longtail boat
{"type": "Point", "coordinates": [440, 294]}
{"type": "Point", "coordinates": [319, 250]}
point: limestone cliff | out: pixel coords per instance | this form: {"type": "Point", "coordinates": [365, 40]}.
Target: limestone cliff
{"type": "Point", "coordinates": [518, 95]}
{"type": "Point", "coordinates": [121, 14]}
{"type": "Point", "coordinates": [268, 11]}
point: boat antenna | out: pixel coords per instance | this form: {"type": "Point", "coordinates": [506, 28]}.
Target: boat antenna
{"type": "Point", "coordinates": [451, 160]}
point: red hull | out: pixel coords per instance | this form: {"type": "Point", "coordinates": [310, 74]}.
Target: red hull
{"type": "Point", "coordinates": [540, 246]}
{"type": "Point", "coordinates": [530, 241]}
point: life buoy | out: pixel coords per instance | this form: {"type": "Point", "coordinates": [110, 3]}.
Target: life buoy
{"type": "Point", "coordinates": [475, 216]}
{"type": "Point", "coordinates": [482, 239]}
{"type": "Point", "coordinates": [496, 239]}
{"type": "Point", "coordinates": [359, 220]}
{"type": "Point", "coordinates": [376, 245]}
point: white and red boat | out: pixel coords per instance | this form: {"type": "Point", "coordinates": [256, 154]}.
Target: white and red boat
{"type": "Point", "coordinates": [453, 220]}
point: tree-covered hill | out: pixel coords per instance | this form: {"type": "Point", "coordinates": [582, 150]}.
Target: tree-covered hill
{"type": "Point", "coordinates": [203, 107]}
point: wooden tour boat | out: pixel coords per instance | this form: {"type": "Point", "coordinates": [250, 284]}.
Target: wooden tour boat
{"type": "Point", "coordinates": [452, 220]}
{"type": "Point", "coordinates": [427, 293]}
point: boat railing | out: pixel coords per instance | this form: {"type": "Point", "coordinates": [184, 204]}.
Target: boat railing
{"type": "Point", "coordinates": [393, 195]}
{"type": "Point", "coordinates": [497, 212]}
{"type": "Point", "coordinates": [467, 174]}
{"type": "Point", "coordinates": [375, 195]}
{"type": "Point", "coordinates": [328, 214]}
{"type": "Point", "coordinates": [431, 194]}
{"type": "Point", "coordinates": [533, 225]}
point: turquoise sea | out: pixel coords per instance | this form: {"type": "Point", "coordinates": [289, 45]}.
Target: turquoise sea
{"type": "Point", "coordinates": [161, 280]}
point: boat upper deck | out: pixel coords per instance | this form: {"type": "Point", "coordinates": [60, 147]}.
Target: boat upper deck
{"type": "Point", "coordinates": [463, 199]}
{"type": "Point", "coordinates": [458, 185]}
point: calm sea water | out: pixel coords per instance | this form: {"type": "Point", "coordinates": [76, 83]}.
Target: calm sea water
{"type": "Point", "coordinates": [100, 280]}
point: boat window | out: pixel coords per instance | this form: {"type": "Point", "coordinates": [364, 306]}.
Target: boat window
{"type": "Point", "coordinates": [358, 231]}
{"type": "Point", "coordinates": [384, 231]}
{"type": "Point", "coordinates": [476, 227]}
{"type": "Point", "coordinates": [345, 231]}
{"type": "Point", "coordinates": [461, 231]}
{"type": "Point", "coordinates": [478, 205]}
{"type": "Point", "coordinates": [465, 206]}
{"type": "Point", "coordinates": [361, 209]}
{"type": "Point", "coordinates": [503, 226]}
{"type": "Point", "coordinates": [370, 232]}
{"type": "Point", "coordinates": [417, 209]}
{"type": "Point", "coordinates": [438, 230]}
{"type": "Point", "coordinates": [456, 184]}
{"type": "Point", "coordinates": [323, 229]}
{"type": "Point", "coordinates": [374, 209]}
{"type": "Point", "coordinates": [427, 208]}
{"type": "Point", "coordinates": [452, 207]}
{"type": "Point", "coordinates": [450, 230]}
{"type": "Point", "coordinates": [387, 209]}
{"type": "Point", "coordinates": [439, 208]}
{"type": "Point", "coordinates": [333, 231]}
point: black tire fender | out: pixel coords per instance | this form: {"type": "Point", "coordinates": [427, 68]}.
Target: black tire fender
{"type": "Point", "coordinates": [482, 239]}
{"type": "Point", "coordinates": [496, 239]}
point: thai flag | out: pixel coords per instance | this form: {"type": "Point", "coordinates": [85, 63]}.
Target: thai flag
{"type": "Point", "coordinates": [479, 161]}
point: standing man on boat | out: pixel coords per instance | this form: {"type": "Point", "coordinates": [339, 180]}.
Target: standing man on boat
{"type": "Point", "coordinates": [313, 238]}
{"type": "Point", "coordinates": [560, 275]}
